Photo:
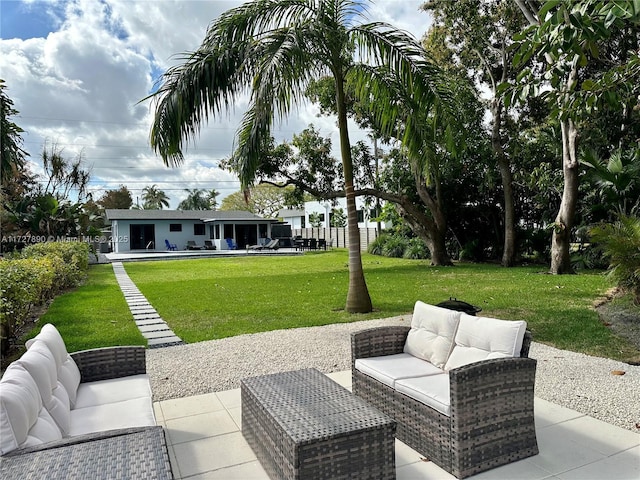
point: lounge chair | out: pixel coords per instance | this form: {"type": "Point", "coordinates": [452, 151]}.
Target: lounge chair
{"type": "Point", "coordinates": [208, 245]}
{"type": "Point", "coordinates": [272, 245]}
{"type": "Point", "coordinates": [231, 244]}
{"type": "Point", "coordinates": [191, 245]}
{"type": "Point", "coordinates": [170, 246]}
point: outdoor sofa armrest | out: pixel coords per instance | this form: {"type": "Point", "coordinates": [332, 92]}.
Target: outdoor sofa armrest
{"type": "Point", "coordinates": [77, 439]}
{"type": "Point", "coordinates": [110, 362]}
{"type": "Point", "coordinates": [376, 342]}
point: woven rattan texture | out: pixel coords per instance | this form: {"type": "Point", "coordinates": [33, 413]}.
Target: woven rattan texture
{"type": "Point", "coordinates": [110, 362]}
{"type": "Point", "coordinates": [302, 425]}
{"type": "Point", "coordinates": [491, 420]}
{"type": "Point", "coordinates": [139, 455]}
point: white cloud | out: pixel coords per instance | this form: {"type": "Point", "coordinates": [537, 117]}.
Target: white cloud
{"type": "Point", "coordinates": [80, 86]}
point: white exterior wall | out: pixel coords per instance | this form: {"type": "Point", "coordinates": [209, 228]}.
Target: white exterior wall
{"type": "Point", "coordinates": [121, 234]}
{"type": "Point", "coordinates": [325, 207]}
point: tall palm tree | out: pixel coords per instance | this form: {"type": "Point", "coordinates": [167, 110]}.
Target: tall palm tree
{"type": "Point", "coordinates": [274, 49]}
{"type": "Point", "coordinates": [154, 199]}
{"type": "Point", "coordinates": [196, 200]}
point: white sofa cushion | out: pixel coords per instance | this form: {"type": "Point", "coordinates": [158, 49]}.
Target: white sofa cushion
{"type": "Point", "coordinates": [482, 338]}
{"type": "Point", "coordinates": [115, 390]}
{"type": "Point", "coordinates": [23, 421]}
{"type": "Point", "coordinates": [433, 330]}
{"type": "Point", "coordinates": [67, 370]}
{"type": "Point", "coordinates": [41, 365]}
{"type": "Point", "coordinates": [137, 412]}
{"type": "Point", "coordinates": [389, 369]}
{"type": "Point", "coordinates": [432, 391]}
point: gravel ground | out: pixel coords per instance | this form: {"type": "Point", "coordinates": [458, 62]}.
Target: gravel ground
{"type": "Point", "coordinates": [573, 380]}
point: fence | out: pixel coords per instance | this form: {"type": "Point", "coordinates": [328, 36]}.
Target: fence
{"type": "Point", "coordinates": [337, 236]}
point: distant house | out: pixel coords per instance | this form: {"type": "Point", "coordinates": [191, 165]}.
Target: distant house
{"type": "Point", "coordinates": [148, 229]}
{"type": "Point", "coordinates": [299, 219]}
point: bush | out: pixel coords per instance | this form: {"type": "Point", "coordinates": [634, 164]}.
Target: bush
{"type": "Point", "coordinates": [25, 282]}
{"type": "Point", "coordinates": [41, 271]}
{"type": "Point", "coordinates": [70, 260]}
{"type": "Point", "coordinates": [621, 244]}
{"type": "Point", "coordinates": [376, 247]}
{"type": "Point", "coordinates": [416, 250]}
{"type": "Point", "coordinates": [395, 246]}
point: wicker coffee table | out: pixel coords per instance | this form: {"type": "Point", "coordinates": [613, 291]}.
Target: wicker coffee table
{"type": "Point", "coordinates": [303, 425]}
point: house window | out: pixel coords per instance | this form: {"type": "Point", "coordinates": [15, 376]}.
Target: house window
{"type": "Point", "coordinates": [321, 217]}
{"type": "Point", "coordinates": [228, 230]}
{"type": "Point", "coordinates": [198, 228]}
{"type": "Point", "coordinates": [360, 216]}
{"type": "Point", "coordinates": [302, 224]}
{"type": "Point", "coordinates": [175, 227]}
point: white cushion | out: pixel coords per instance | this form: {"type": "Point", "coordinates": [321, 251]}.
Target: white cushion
{"type": "Point", "coordinates": [67, 370]}
{"type": "Point", "coordinates": [482, 338]}
{"type": "Point", "coordinates": [69, 376]}
{"type": "Point", "coordinates": [41, 365]}
{"type": "Point", "coordinates": [50, 335]}
{"type": "Point", "coordinates": [390, 368]}
{"type": "Point", "coordinates": [114, 390]}
{"type": "Point", "coordinates": [432, 391]}
{"type": "Point", "coordinates": [137, 412]}
{"type": "Point", "coordinates": [23, 421]}
{"type": "Point", "coordinates": [432, 332]}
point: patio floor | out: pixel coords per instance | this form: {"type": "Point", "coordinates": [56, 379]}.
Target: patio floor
{"type": "Point", "coordinates": [205, 442]}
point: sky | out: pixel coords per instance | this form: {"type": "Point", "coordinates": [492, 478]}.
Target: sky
{"type": "Point", "coordinates": [76, 71]}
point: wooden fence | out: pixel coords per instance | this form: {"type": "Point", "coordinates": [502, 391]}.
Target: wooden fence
{"type": "Point", "coordinates": [337, 236]}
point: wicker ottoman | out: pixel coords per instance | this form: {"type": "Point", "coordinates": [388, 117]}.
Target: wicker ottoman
{"type": "Point", "coordinates": [303, 425]}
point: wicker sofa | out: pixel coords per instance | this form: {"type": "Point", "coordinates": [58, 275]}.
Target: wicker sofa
{"type": "Point", "coordinates": [54, 405]}
{"type": "Point", "coordinates": [460, 387]}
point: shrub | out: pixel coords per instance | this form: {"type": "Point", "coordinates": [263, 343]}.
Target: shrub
{"type": "Point", "coordinates": [25, 282]}
{"type": "Point", "coordinates": [416, 250]}
{"type": "Point", "coordinates": [621, 244]}
{"type": "Point", "coordinates": [70, 260]}
{"type": "Point", "coordinates": [375, 247]}
{"type": "Point", "coordinates": [395, 246]}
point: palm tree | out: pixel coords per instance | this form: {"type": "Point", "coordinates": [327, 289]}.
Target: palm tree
{"type": "Point", "coordinates": [154, 199]}
{"type": "Point", "coordinates": [196, 200]}
{"type": "Point", "coordinates": [276, 48]}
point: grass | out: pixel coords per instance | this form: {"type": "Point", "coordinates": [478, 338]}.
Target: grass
{"type": "Point", "coordinates": [212, 298]}
{"type": "Point", "coordinates": [94, 315]}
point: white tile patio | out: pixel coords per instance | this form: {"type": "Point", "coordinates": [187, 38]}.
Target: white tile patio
{"type": "Point", "coordinates": [205, 442]}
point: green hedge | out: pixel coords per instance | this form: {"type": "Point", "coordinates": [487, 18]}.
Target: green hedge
{"type": "Point", "coordinates": [36, 275]}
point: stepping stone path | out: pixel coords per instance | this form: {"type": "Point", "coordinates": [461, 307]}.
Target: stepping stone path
{"type": "Point", "coordinates": [151, 325]}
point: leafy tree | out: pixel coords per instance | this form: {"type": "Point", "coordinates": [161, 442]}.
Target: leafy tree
{"type": "Point", "coordinates": [475, 36]}
{"type": "Point", "coordinates": [153, 198]}
{"type": "Point", "coordinates": [275, 48]}
{"type": "Point", "coordinates": [263, 199]}
{"type": "Point", "coordinates": [13, 156]}
{"type": "Point", "coordinates": [338, 218]}
{"type": "Point", "coordinates": [568, 35]}
{"type": "Point", "coordinates": [315, 220]}
{"type": "Point", "coordinates": [118, 199]}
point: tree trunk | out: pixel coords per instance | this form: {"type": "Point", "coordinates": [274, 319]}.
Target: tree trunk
{"type": "Point", "coordinates": [561, 238]}
{"type": "Point", "coordinates": [358, 298]}
{"type": "Point", "coordinates": [438, 225]}
{"type": "Point", "coordinates": [509, 250]}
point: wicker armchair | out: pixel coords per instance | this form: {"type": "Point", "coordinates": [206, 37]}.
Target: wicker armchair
{"type": "Point", "coordinates": [491, 421]}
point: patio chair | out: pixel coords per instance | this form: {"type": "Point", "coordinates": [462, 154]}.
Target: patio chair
{"type": "Point", "coordinates": [191, 245]}
{"type": "Point", "coordinates": [231, 244]}
{"type": "Point", "coordinates": [208, 245]}
{"type": "Point", "coordinates": [170, 246]}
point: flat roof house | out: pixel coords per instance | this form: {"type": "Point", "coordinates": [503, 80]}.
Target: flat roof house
{"type": "Point", "coordinates": [148, 229]}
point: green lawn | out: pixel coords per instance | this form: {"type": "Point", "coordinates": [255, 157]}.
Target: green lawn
{"type": "Point", "coordinates": [218, 297]}
{"type": "Point", "coordinates": [94, 315]}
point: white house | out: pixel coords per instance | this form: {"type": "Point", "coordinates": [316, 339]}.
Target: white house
{"type": "Point", "coordinates": [151, 229]}
{"type": "Point", "coordinates": [299, 219]}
